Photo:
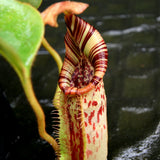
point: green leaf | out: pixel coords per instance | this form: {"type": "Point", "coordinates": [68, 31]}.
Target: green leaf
{"type": "Point", "coordinates": [21, 33]}
{"type": "Point", "coordinates": [34, 3]}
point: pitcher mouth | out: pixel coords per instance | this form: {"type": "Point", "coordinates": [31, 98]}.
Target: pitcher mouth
{"type": "Point", "coordinates": [80, 81]}
{"type": "Point", "coordinates": [86, 57]}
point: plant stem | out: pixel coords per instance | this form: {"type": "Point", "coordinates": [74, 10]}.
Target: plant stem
{"type": "Point", "coordinates": [54, 54]}
{"type": "Point", "coordinates": [28, 88]}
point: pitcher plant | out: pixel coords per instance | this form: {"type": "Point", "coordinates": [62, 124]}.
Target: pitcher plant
{"type": "Point", "coordinates": [80, 97]}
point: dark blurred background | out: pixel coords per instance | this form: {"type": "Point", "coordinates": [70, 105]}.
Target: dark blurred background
{"type": "Point", "coordinates": [131, 29]}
